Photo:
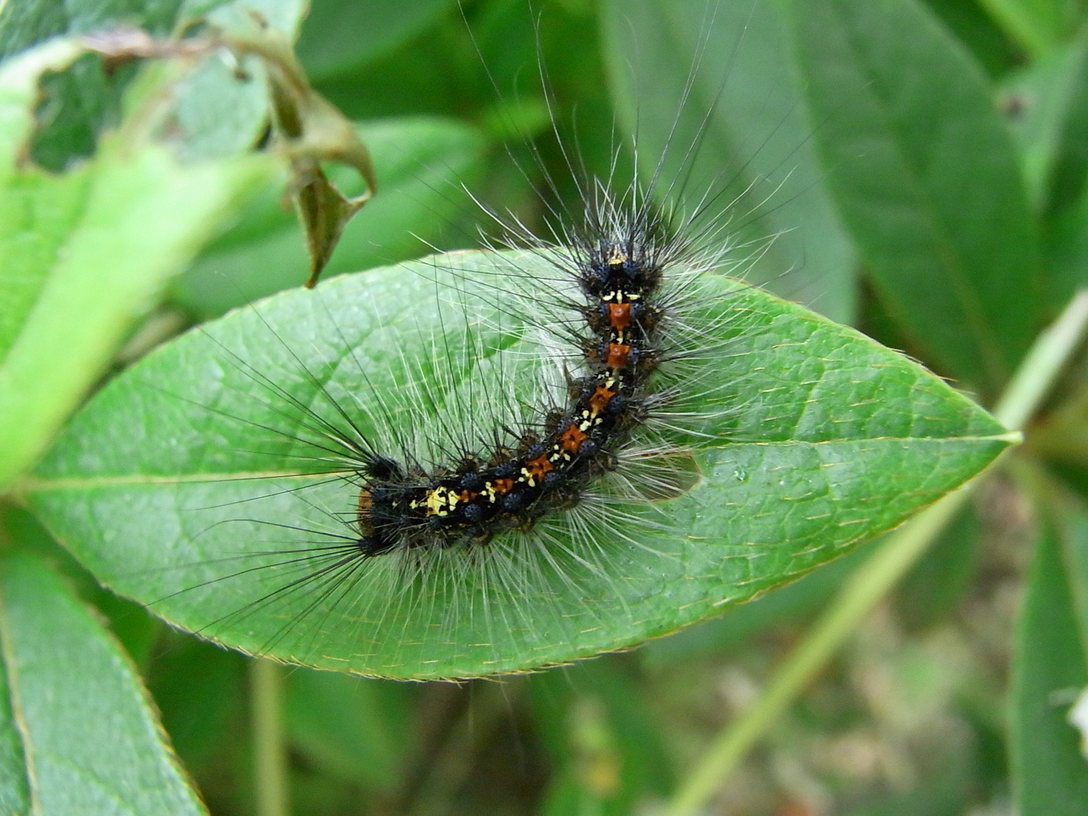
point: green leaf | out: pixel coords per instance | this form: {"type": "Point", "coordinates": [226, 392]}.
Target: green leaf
{"type": "Point", "coordinates": [1069, 170]}
{"type": "Point", "coordinates": [788, 608]}
{"type": "Point", "coordinates": [1036, 25]}
{"type": "Point", "coordinates": [969, 24]}
{"type": "Point", "coordinates": [1053, 136]}
{"type": "Point", "coordinates": [802, 438]}
{"type": "Point", "coordinates": [1068, 251]}
{"type": "Point", "coordinates": [1050, 123]}
{"type": "Point", "coordinates": [340, 38]}
{"type": "Point", "coordinates": [351, 728]}
{"type": "Point", "coordinates": [216, 115]}
{"type": "Point", "coordinates": [82, 735]}
{"type": "Point", "coordinates": [927, 180]}
{"type": "Point", "coordinates": [79, 98]}
{"type": "Point", "coordinates": [82, 253]}
{"type": "Point", "coordinates": [673, 63]}
{"type": "Point", "coordinates": [1050, 772]}
{"type": "Point", "coordinates": [420, 161]}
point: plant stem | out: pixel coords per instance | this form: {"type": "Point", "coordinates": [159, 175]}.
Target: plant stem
{"type": "Point", "coordinates": [269, 750]}
{"type": "Point", "coordinates": [1047, 356]}
{"type": "Point", "coordinates": [876, 577]}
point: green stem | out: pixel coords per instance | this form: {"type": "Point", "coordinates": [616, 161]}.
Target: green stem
{"type": "Point", "coordinates": [895, 555]}
{"type": "Point", "coordinates": [1044, 362]}
{"type": "Point", "coordinates": [269, 748]}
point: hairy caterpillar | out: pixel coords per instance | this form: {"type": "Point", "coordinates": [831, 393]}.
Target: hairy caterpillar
{"type": "Point", "coordinates": [297, 480]}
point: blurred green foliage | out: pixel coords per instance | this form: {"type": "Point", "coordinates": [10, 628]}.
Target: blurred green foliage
{"type": "Point", "coordinates": [940, 153]}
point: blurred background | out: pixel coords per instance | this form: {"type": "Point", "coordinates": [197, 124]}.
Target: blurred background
{"type": "Point", "coordinates": [911, 716]}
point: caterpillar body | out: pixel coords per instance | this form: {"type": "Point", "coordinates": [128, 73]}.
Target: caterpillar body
{"type": "Point", "coordinates": [619, 276]}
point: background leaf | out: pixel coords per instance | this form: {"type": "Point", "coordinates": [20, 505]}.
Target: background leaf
{"type": "Point", "coordinates": [84, 252]}
{"type": "Point", "coordinates": [1050, 772]}
{"type": "Point", "coordinates": [927, 180]}
{"type": "Point", "coordinates": [339, 40]}
{"type": "Point", "coordinates": [216, 115]}
{"type": "Point", "coordinates": [78, 742]}
{"type": "Point", "coordinates": [421, 163]}
{"type": "Point", "coordinates": [1037, 25]}
{"type": "Point", "coordinates": [748, 149]}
